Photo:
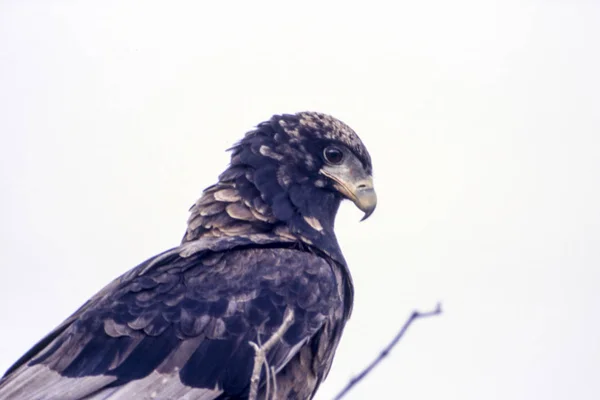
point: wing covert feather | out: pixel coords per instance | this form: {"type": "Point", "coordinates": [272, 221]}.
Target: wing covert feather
{"type": "Point", "coordinates": [184, 320]}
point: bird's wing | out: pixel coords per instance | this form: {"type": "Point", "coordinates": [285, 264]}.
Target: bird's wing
{"type": "Point", "coordinates": [179, 326]}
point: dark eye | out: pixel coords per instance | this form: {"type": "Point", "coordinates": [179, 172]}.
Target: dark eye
{"type": "Point", "coordinates": [333, 155]}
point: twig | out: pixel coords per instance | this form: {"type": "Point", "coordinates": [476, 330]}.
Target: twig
{"type": "Point", "coordinates": [273, 375]}
{"type": "Point", "coordinates": [268, 381]}
{"type": "Point", "coordinates": [415, 315]}
{"type": "Point", "coordinates": [260, 356]}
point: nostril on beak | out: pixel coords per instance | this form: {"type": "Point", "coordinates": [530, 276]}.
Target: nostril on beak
{"type": "Point", "coordinates": [363, 186]}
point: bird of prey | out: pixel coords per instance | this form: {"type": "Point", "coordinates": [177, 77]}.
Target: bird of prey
{"type": "Point", "coordinates": [259, 270]}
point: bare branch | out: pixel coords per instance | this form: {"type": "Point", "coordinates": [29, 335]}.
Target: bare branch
{"type": "Point", "coordinates": [415, 315]}
{"type": "Point", "coordinates": [268, 381]}
{"type": "Point", "coordinates": [273, 373]}
{"type": "Point", "coordinates": [260, 357]}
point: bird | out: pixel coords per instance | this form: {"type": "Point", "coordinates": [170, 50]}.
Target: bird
{"type": "Point", "coordinates": [259, 271]}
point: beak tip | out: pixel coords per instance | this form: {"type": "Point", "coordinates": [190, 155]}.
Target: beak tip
{"type": "Point", "coordinates": [366, 201]}
{"type": "Point", "coordinates": [367, 214]}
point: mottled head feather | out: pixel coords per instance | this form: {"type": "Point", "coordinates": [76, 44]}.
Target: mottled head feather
{"type": "Point", "coordinates": [310, 124]}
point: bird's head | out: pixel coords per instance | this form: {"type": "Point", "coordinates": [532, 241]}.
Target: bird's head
{"type": "Point", "coordinates": [289, 174]}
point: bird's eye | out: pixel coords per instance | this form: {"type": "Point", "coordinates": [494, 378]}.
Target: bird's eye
{"type": "Point", "coordinates": [333, 155]}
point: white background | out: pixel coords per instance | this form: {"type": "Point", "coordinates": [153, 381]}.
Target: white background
{"type": "Point", "coordinates": [482, 119]}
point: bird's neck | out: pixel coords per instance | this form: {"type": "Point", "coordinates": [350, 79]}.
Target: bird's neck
{"type": "Point", "coordinates": [236, 208]}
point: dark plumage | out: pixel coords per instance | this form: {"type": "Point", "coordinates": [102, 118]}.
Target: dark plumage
{"type": "Point", "coordinates": [259, 244]}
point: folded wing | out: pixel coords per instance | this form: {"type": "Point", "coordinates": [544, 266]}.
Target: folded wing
{"type": "Point", "coordinates": [179, 326]}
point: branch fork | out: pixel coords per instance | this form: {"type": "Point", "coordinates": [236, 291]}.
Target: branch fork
{"type": "Point", "coordinates": [260, 359]}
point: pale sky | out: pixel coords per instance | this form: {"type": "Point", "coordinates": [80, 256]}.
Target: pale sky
{"type": "Point", "coordinates": [482, 119]}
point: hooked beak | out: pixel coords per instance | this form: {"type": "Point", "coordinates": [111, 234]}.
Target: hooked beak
{"type": "Point", "coordinates": [355, 184]}
{"type": "Point", "coordinates": [362, 195]}
{"type": "Point", "coordinates": [365, 197]}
